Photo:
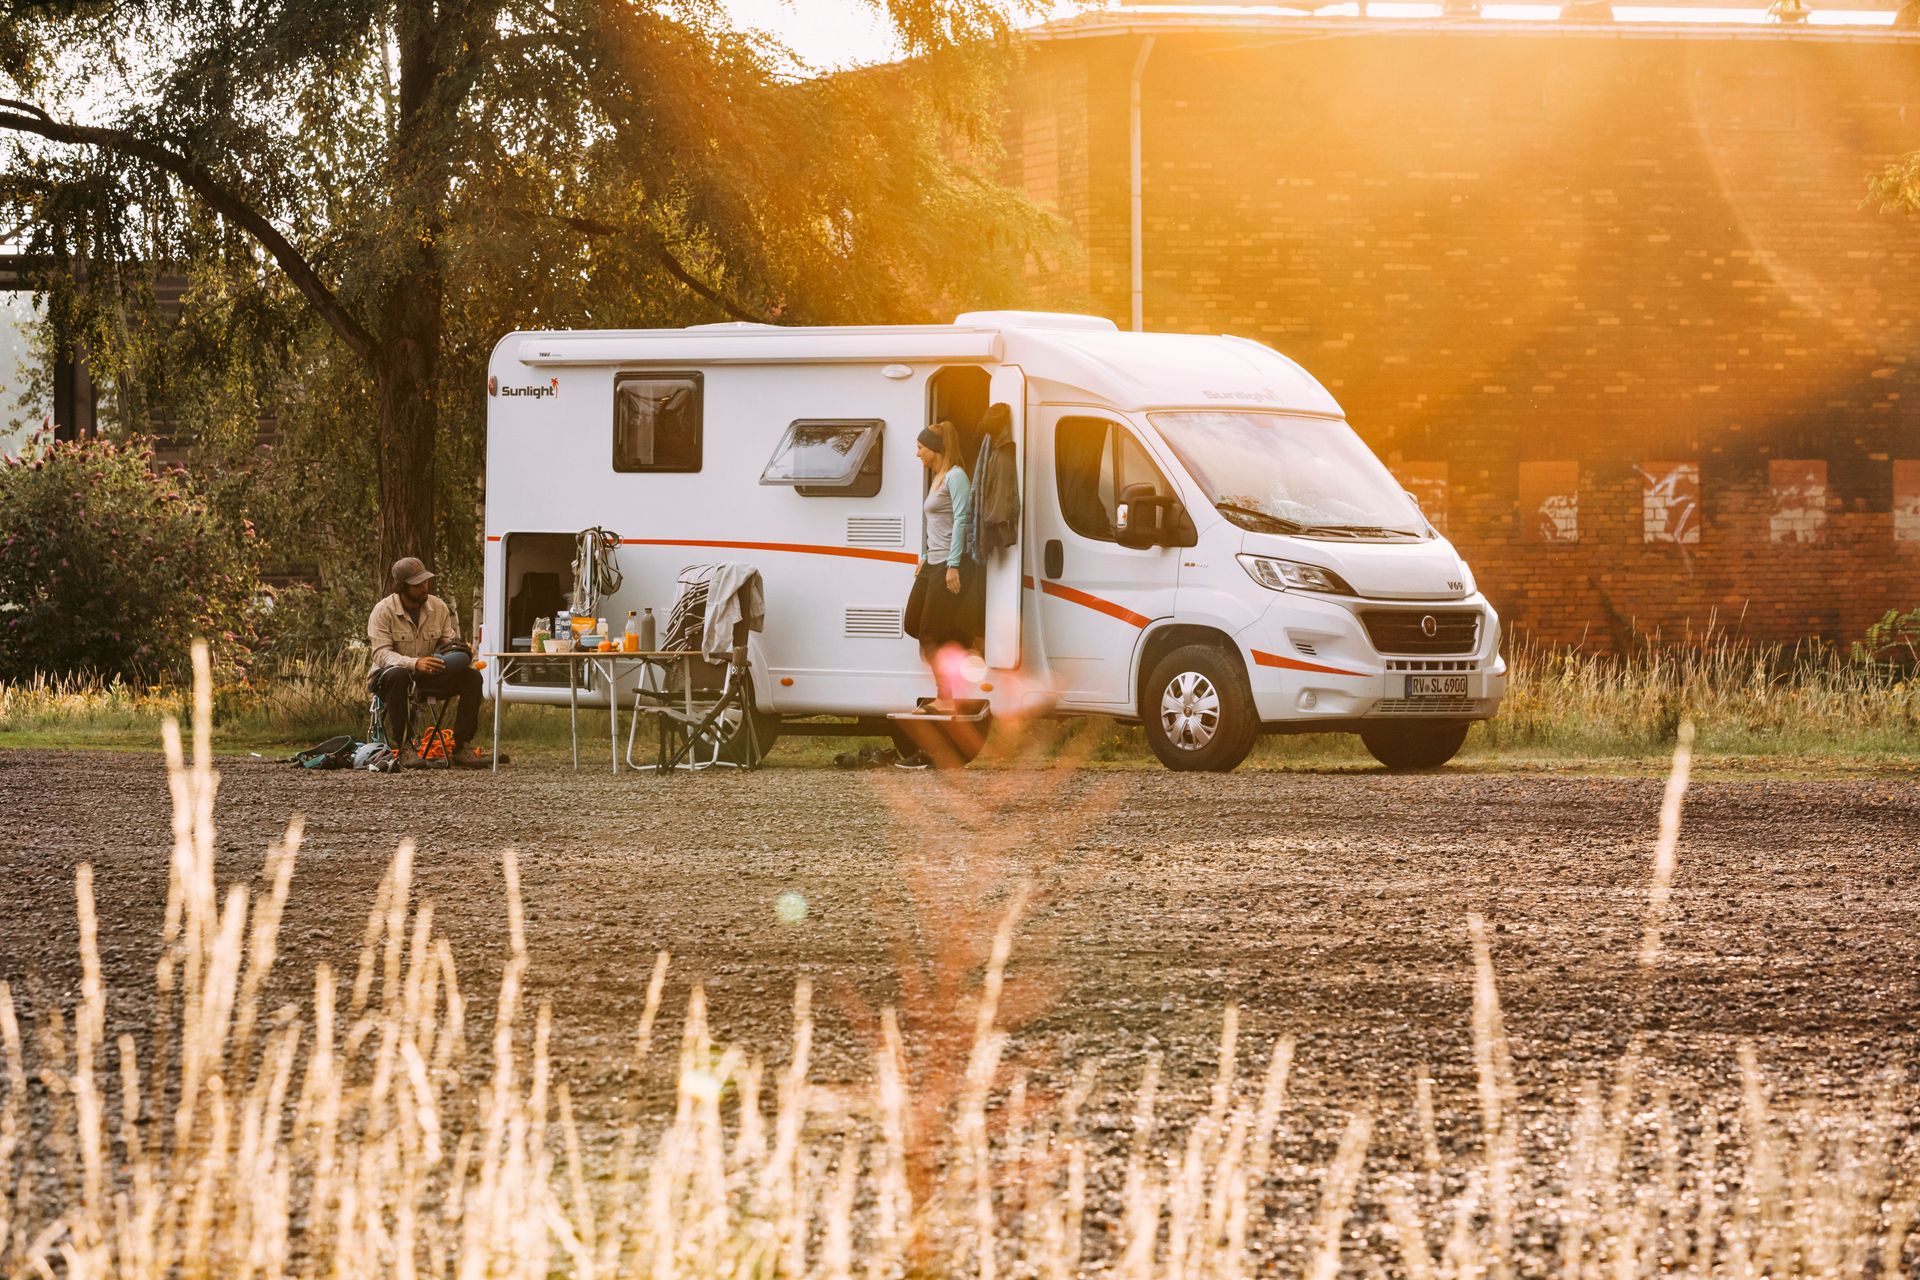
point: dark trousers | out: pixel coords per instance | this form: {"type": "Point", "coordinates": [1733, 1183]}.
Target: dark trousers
{"type": "Point", "coordinates": [395, 685]}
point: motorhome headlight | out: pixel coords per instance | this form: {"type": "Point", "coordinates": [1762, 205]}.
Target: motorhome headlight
{"type": "Point", "coordinates": [1291, 575]}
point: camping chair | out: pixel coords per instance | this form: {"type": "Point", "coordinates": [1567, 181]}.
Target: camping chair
{"type": "Point", "coordinates": [705, 717]}
{"type": "Point", "coordinates": [419, 707]}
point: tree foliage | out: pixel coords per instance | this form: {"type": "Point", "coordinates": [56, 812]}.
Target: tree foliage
{"type": "Point", "coordinates": [1896, 188]}
{"type": "Point", "coordinates": [367, 193]}
{"type": "Point", "coordinates": [111, 567]}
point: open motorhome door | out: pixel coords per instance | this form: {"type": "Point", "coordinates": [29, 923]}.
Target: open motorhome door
{"type": "Point", "coordinates": [1003, 591]}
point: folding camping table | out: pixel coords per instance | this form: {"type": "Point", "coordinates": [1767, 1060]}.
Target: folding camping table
{"type": "Point", "coordinates": [612, 666]}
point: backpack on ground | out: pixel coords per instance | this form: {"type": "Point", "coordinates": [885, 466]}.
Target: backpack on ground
{"type": "Point", "coordinates": [334, 753]}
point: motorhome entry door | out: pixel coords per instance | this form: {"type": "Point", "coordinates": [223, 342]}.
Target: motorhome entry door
{"type": "Point", "coordinates": [1095, 596]}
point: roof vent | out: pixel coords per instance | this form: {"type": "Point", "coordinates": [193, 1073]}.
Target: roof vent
{"type": "Point", "coordinates": [1034, 320]}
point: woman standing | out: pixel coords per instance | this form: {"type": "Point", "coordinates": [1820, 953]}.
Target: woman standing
{"type": "Point", "coordinates": [935, 609]}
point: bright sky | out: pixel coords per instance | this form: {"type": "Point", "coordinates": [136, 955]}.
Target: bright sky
{"type": "Point", "coordinates": [829, 34]}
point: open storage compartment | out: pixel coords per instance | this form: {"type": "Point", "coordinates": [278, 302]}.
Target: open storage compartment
{"type": "Point", "coordinates": [539, 578]}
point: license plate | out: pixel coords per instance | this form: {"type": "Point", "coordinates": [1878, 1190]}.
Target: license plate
{"type": "Point", "coordinates": [1436, 686]}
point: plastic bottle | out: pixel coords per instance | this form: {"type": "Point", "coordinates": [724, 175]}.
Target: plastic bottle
{"type": "Point", "coordinates": [630, 637]}
{"type": "Point", "coordinates": [649, 636]}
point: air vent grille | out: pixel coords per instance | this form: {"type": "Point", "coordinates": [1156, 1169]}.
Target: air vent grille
{"type": "Point", "coordinates": [876, 531]}
{"type": "Point", "coordinates": [872, 622]}
{"type": "Point", "coordinates": [1426, 706]}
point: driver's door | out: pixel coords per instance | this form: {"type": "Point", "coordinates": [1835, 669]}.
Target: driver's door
{"type": "Point", "coordinates": [1095, 596]}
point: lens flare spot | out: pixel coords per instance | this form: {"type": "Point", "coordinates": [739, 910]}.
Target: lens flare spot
{"type": "Point", "coordinates": [790, 908]}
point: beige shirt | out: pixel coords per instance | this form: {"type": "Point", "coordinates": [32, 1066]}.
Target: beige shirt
{"type": "Point", "coordinates": [397, 641]}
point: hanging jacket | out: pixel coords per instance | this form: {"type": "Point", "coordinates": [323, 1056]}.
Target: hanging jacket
{"type": "Point", "coordinates": [996, 505]}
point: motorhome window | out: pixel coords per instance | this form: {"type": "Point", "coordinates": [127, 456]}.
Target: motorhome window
{"type": "Point", "coordinates": [1083, 473]}
{"type": "Point", "coordinates": [1273, 472]}
{"type": "Point", "coordinates": [656, 422]}
{"type": "Point", "coordinates": [822, 459]}
{"type": "Point", "coordinates": [1094, 462]}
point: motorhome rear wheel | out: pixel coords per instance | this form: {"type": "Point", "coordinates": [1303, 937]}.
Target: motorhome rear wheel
{"type": "Point", "coordinates": [1417, 744]}
{"type": "Point", "coordinates": [1198, 711]}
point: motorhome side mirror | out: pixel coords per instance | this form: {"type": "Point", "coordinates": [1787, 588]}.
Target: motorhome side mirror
{"type": "Point", "coordinates": [1136, 522]}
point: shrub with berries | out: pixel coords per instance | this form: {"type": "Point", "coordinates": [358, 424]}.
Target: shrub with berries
{"type": "Point", "coordinates": [111, 567]}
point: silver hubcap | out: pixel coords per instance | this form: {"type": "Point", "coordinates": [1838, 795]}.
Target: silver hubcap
{"type": "Point", "coordinates": [1190, 711]}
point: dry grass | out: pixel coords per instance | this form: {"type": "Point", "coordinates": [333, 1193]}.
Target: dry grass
{"type": "Point", "coordinates": [370, 1132]}
{"type": "Point", "coordinates": [1747, 699]}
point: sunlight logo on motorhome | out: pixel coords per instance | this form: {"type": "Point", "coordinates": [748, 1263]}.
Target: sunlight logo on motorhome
{"type": "Point", "coordinates": [537, 392]}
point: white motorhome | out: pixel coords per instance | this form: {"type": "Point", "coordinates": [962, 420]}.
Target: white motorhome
{"type": "Point", "coordinates": [1205, 547]}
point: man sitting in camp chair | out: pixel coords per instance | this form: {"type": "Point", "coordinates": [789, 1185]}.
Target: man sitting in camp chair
{"type": "Point", "coordinates": [416, 646]}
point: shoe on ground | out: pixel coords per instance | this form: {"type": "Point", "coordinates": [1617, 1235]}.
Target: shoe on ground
{"type": "Point", "coordinates": [918, 760]}
{"type": "Point", "coordinates": [846, 760]}
{"type": "Point", "coordinates": [473, 758]}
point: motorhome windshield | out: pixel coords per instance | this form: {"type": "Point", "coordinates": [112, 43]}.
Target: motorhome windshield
{"type": "Point", "coordinates": [1274, 473]}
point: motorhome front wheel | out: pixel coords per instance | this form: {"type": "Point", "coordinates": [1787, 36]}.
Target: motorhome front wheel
{"type": "Point", "coordinates": [1414, 744]}
{"type": "Point", "coordinates": [1198, 711]}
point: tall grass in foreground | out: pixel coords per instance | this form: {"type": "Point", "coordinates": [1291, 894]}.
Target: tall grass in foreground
{"type": "Point", "coordinates": [361, 1136]}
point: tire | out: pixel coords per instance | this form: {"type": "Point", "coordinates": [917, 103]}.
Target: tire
{"type": "Point", "coordinates": [1198, 710]}
{"type": "Point", "coordinates": [766, 731]}
{"type": "Point", "coordinates": [949, 744]}
{"type": "Point", "coordinates": [1414, 744]}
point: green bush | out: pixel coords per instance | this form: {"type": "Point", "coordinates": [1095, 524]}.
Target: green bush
{"type": "Point", "coordinates": [110, 567]}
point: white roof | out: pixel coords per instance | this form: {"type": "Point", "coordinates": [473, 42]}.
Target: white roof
{"type": "Point", "coordinates": [1072, 356]}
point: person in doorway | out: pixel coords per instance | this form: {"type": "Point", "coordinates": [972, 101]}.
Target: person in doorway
{"type": "Point", "coordinates": [416, 646]}
{"type": "Point", "coordinates": [935, 607]}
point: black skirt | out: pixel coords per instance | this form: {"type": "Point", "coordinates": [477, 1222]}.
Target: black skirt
{"type": "Point", "coordinates": [937, 616]}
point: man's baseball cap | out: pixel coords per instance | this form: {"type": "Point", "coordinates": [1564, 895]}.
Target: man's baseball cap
{"type": "Point", "coordinates": [408, 571]}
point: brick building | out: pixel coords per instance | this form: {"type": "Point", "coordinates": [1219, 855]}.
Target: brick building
{"type": "Point", "coordinates": [1607, 297]}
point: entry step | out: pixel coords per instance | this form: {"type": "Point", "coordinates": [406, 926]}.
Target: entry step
{"type": "Point", "coordinates": [966, 711]}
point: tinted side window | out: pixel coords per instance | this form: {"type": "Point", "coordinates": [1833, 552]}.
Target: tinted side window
{"type": "Point", "coordinates": [1094, 462]}
{"type": "Point", "coordinates": [656, 422]}
{"type": "Point", "coordinates": [1083, 471]}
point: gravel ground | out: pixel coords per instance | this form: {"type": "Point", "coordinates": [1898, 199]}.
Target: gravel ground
{"type": "Point", "coordinates": [1332, 907]}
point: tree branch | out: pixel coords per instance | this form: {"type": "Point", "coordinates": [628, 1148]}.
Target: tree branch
{"type": "Point", "coordinates": [675, 268]}
{"type": "Point", "coordinates": [24, 117]}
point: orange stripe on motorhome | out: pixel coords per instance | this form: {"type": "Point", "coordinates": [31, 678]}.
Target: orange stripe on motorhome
{"type": "Point", "coordinates": [814, 549]}
{"type": "Point", "coordinates": [1095, 603]}
{"type": "Point", "coordinates": [1294, 664]}
{"type": "Point", "coordinates": [857, 553]}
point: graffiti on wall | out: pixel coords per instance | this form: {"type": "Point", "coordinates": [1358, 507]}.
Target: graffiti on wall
{"type": "Point", "coordinates": [1906, 500]}
{"type": "Point", "coordinates": [1670, 502]}
{"type": "Point", "coordinates": [1549, 501]}
{"type": "Point", "coordinates": [1799, 500]}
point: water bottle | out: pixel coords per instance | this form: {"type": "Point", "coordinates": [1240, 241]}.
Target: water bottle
{"type": "Point", "coordinates": [649, 638]}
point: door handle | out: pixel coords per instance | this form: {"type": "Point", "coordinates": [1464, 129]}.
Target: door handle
{"type": "Point", "coordinates": [1055, 558]}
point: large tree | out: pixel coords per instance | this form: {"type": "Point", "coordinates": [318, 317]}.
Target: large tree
{"type": "Point", "coordinates": [414, 176]}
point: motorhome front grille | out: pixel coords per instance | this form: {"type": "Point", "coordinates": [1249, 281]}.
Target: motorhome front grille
{"type": "Point", "coordinates": [1422, 630]}
{"type": "Point", "coordinates": [876, 531]}
{"type": "Point", "coordinates": [872, 622]}
{"type": "Point", "coordinates": [1432, 665]}
{"type": "Point", "coordinates": [1426, 706]}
